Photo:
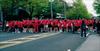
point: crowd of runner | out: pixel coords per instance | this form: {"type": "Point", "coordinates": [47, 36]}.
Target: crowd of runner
{"type": "Point", "coordinates": [46, 25]}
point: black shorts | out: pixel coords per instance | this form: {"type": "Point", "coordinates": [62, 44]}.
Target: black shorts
{"type": "Point", "coordinates": [30, 26]}
{"type": "Point", "coordinates": [90, 25]}
{"type": "Point", "coordinates": [41, 26]}
{"type": "Point", "coordinates": [69, 27]}
{"type": "Point", "coordinates": [16, 26]}
{"type": "Point", "coordinates": [76, 28]}
{"type": "Point", "coordinates": [49, 25]}
{"type": "Point", "coordinates": [56, 26]}
{"type": "Point", "coordinates": [25, 26]}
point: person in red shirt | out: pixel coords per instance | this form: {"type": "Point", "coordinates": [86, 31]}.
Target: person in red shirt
{"type": "Point", "coordinates": [30, 26]}
{"type": "Point", "coordinates": [20, 26]}
{"type": "Point", "coordinates": [69, 25]}
{"type": "Point", "coordinates": [51, 25]}
{"type": "Point", "coordinates": [46, 25]}
{"type": "Point", "coordinates": [17, 26]}
{"type": "Point", "coordinates": [59, 25]}
{"type": "Point", "coordinates": [91, 24]}
{"type": "Point", "coordinates": [41, 26]}
{"type": "Point", "coordinates": [73, 27]}
{"type": "Point", "coordinates": [78, 24]}
{"type": "Point", "coordinates": [11, 26]}
{"type": "Point", "coordinates": [36, 25]}
{"type": "Point", "coordinates": [25, 25]}
{"type": "Point", "coordinates": [55, 25]}
{"type": "Point", "coordinates": [64, 25]}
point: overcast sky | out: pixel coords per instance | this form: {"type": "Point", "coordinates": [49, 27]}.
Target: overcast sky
{"type": "Point", "coordinates": [89, 5]}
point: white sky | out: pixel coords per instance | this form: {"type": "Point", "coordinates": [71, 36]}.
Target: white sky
{"type": "Point", "coordinates": [89, 5]}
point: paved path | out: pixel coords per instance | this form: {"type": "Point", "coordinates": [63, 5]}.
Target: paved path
{"type": "Point", "coordinates": [56, 42]}
{"type": "Point", "coordinates": [7, 36]}
{"type": "Point", "coordinates": [91, 44]}
{"type": "Point", "coordinates": [13, 42]}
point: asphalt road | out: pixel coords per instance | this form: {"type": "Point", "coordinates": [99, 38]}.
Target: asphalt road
{"type": "Point", "coordinates": [59, 42]}
{"type": "Point", "coordinates": [7, 36]}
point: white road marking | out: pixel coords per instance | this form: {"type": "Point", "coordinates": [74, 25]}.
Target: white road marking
{"type": "Point", "coordinates": [17, 41]}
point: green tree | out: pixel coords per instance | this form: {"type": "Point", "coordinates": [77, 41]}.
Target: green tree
{"type": "Point", "coordinates": [37, 8]}
{"type": "Point", "coordinates": [42, 8]}
{"type": "Point", "coordinates": [78, 11]}
{"type": "Point", "coordinates": [97, 7]}
{"type": "Point", "coordinates": [6, 6]}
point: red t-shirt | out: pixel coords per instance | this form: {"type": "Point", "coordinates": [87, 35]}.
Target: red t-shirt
{"type": "Point", "coordinates": [20, 25]}
{"type": "Point", "coordinates": [11, 24]}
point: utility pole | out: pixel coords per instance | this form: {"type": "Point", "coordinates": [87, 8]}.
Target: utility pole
{"type": "Point", "coordinates": [64, 9]}
{"type": "Point", "coordinates": [51, 7]}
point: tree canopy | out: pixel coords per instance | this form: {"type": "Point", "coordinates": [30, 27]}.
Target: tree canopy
{"type": "Point", "coordinates": [97, 7]}
{"type": "Point", "coordinates": [78, 11]}
{"type": "Point", "coordinates": [41, 9]}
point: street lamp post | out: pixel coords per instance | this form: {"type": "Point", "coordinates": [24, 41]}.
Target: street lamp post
{"type": "Point", "coordinates": [51, 2]}
{"type": "Point", "coordinates": [65, 9]}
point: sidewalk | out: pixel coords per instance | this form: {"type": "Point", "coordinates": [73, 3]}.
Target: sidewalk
{"type": "Point", "coordinates": [91, 44]}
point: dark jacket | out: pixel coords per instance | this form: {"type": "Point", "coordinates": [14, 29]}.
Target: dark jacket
{"type": "Point", "coordinates": [83, 25]}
